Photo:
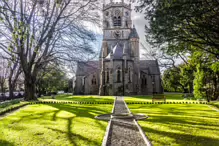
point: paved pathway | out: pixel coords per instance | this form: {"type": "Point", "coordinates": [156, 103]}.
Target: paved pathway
{"type": "Point", "coordinates": [124, 132]}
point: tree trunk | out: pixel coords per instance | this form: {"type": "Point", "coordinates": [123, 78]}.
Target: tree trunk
{"type": "Point", "coordinates": [2, 87]}
{"type": "Point", "coordinates": [30, 89]}
{"type": "Point", "coordinates": [11, 88]}
{"type": "Point", "coordinates": [11, 91]}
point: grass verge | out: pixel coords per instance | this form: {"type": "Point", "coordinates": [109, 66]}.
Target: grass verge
{"type": "Point", "coordinates": [179, 124]}
{"type": "Point", "coordinates": [8, 103]}
{"type": "Point", "coordinates": [54, 124]}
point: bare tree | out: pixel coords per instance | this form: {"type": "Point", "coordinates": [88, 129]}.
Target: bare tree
{"type": "Point", "coordinates": [164, 59]}
{"type": "Point", "coordinates": [39, 31]}
{"type": "Point", "coordinates": [11, 71]}
{"type": "Point", "coordinates": [4, 70]}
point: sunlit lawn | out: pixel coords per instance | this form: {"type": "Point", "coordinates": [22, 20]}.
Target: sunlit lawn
{"type": "Point", "coordinates": [148, 98]}
{"type": "Point", "coordinates": [55, 125]}
{"type": "Point", "coordinates": [90, 98]}
{"type": "Point", "coordinates": [185, 125]}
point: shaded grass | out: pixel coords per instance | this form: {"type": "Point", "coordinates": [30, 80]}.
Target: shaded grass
{"type": "Point", "coordinates": [11, 106]}
{"type": "Point", "coordinates": [147, 98]}
{"type": "Point", "coordinates": [216, 104]}
{"type": "Point", "coordinates": [180, 124]}
{"type": "Point", "coordinates": [79, 98]}
{"type": "Point", "coordinates": [9, 103]}
{"type": "Point", "coordinates": [54, 124]}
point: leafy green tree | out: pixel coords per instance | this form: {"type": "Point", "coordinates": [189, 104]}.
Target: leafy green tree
{"type": "Point", "coordinates": [177, 23]}
{"type": "Point", "coordinates": [51, 80]}
{"type": "Point", "coordinates": [206, 78]}
{"type": "Point", "coordinates": [186, 28]}
{"type": "Point", "coordinates": [171, 80]}
{"type": "Point", "coordinates": [199, 83]}
{"type": "Point", "coordinates": [187, 77]}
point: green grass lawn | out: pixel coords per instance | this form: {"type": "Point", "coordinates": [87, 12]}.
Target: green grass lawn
{"type": "Point", "coordinates": [184, 125]}
{"type": "Point", "coordinates": [55, 125]}
{"type": "Point", "coordinates": [148, 98]}
{"type": "Point", "coordinates": [91, 98]}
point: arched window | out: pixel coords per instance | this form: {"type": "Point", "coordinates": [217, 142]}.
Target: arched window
{"type": "Point", "coordinates": [94, 81]}
{"type": "Point", "coordinates": [107, 75]}
{"type": "Point", "coordinates": [117, 21]}
{"type": "Point", "coordinates": [118, 75]}
{"type": "Point", "coordinates": [126, 24]}
{"type": "Point", "coordinates": [129, 74]}
{"type": "Point", "coordinates": [144, 81]}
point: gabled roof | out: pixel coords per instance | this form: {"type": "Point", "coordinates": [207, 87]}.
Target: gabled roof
{"type": "Point", "coordinates": [86, 68]}
{"type": "Point", "coordinates": [117, 52]}
{"type": "Point", "coordinates": [150, 65]}
{"type": "Point", "coordinates": [134, 33]}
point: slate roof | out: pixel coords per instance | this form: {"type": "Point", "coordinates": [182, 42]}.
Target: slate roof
{"type": "Point", "coordinates": [86, 68]}
{"type": "Point", "coordinates": [134, 33]}
{"type": "Point", "coordinates": [117, 52]}
{"type": "Point", "coordinates": [150, 65]}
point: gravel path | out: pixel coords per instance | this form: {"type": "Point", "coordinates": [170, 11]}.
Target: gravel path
{"type": "Point", "coordinates": [124, 132]}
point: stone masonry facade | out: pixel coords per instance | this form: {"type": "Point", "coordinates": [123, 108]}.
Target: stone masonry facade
{"type": "Point", "coordinates": [119, 70]}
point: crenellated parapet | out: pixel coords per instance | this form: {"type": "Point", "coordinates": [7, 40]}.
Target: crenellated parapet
{"type": "Point", "coordinates": [116, 4]}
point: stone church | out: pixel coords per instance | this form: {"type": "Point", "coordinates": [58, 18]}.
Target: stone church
{"type": "Point", "coordinates": [119, 70]}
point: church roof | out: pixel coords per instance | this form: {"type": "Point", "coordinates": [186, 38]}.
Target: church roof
{"type": "Point", "coordinates": [151, 66]}
{"type": "Point", "coordinates": [117, 52]}
{"type": "Point", "coordinates": [134, 33]}
{"type": "Point", "coordinates": [86, 68]}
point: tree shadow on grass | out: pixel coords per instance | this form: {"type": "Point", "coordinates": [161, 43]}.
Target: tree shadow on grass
{"type": "Point", "coordinates": [79, 111]}
{"type": "Point", "coordinates": [80, 98]}
{"type": "Point", "coordinates": [72, 136]}
{"type": "Point", "coordinates": [180, 138]}
{"type": "Point", "coordinates": [85, 111]}
{"type": "Point", "coordinates": [185, 119]}
{"type": "Point", "coordinates": [5, 143]}
{"type": "Point", "coordinates": [171, 120]}
{"type": "Point", "coordinates": [189, 110]}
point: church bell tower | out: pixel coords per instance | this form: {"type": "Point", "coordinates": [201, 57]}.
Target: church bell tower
{"type": "Point", "coordinates": [118, 48]}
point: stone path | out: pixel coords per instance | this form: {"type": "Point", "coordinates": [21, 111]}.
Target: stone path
{"type": "Point", "coordinates": [124, 132]}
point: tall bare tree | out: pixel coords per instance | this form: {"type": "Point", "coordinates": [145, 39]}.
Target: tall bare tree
{"type": "Point", "coordinates": [39, 31]}
{"type": "Point", "coordinates": [4, 70]}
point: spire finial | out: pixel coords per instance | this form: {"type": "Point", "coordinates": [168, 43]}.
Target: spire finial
{"type": "Point", "coordinates": [111, 51]}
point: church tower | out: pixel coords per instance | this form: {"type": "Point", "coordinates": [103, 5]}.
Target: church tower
{"type": "Point", "coordinates": [119, 57]}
